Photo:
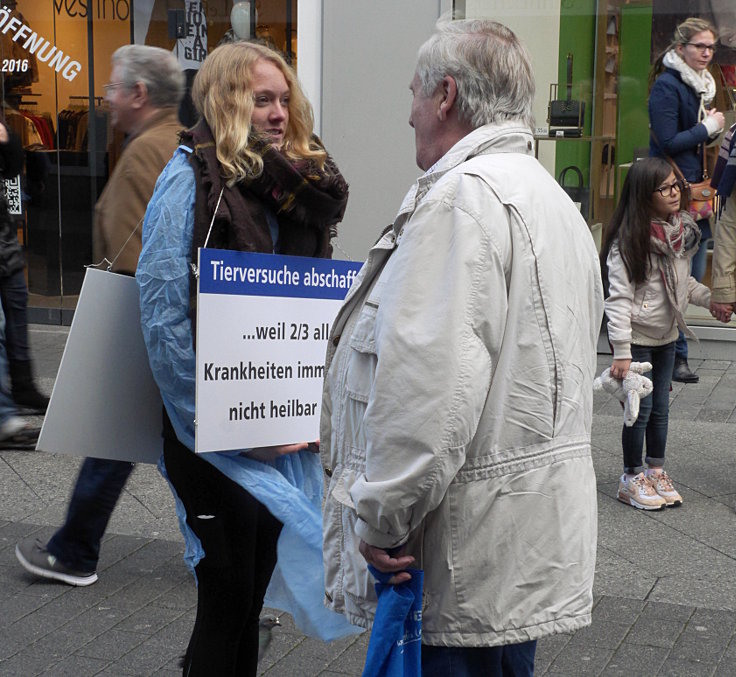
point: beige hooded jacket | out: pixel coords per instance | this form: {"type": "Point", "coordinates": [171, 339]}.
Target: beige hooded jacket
{"type": "Point", "coordinates": [458, 402]}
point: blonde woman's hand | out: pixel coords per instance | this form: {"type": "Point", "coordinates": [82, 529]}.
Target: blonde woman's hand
{"type": "Point", "coordinates": [269, 454]}
{"type": "Point", "coordinates": [619, 368]}
{"type": "Point", "coordinates": [718, 117]}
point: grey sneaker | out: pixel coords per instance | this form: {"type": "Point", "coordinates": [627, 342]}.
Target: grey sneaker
{"type": "Point", "coordinates": [34, 557]}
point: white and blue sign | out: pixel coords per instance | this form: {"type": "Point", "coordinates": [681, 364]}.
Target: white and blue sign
{"type": "Point", "coordinates": [262, 326]}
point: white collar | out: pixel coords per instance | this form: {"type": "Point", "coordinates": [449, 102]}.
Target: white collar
{"type": "Point", "coordinates": [701, 82]}
{"type": "Point", "coordinates": [505, 137]}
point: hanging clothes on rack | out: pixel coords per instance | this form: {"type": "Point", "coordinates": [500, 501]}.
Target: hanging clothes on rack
{"type": "Point", "coordinates": [74, 124]}
{"type": "Point", "coordinates": [42, 123]}
{"type": "Point", "coordinates": [22, 124]}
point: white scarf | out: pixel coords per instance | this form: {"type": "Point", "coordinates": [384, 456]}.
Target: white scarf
{"type": "Point", "coordinates": [701, 82]}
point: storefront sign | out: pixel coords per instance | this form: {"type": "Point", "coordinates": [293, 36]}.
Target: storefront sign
{"type": "Point", "coordinates": [115, 10]}
{"type": "Point", "coordinates": [262, 326]}
{"type": "Point", "coordinates": [36, 44]}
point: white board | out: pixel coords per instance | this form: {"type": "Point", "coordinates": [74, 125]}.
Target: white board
{"type": "Point", "coordinates": [105, 403]}
{"type": "Point", "coordinates": [263, 321]}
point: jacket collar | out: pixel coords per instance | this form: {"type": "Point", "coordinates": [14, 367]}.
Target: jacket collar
{"type": "Point", "coordinates": [165, 115]}
{"type": "Point", "coordinates": [508, 137]}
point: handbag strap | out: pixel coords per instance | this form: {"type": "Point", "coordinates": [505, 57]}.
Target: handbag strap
{"type": "Point", "coordinates": [574, 170]}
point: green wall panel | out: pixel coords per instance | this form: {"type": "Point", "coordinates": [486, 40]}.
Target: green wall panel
{"type": "Point", "coordinates": [632, 130]}
{"type": "Point", "coordinates": [577, 36]}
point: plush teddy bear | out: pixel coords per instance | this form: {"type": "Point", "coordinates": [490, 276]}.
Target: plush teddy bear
{"type": "Point", "coordinates": [629, 390]}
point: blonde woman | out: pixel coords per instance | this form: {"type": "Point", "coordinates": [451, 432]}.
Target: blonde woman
{"type": "Point", "coordinates": [253, 162]}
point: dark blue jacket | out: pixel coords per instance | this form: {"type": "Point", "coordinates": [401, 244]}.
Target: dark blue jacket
{"type": "Point", "coordinates": [673, 115]}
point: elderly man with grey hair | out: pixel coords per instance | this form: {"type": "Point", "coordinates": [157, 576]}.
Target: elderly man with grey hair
{"type": "Point", "coordinates": [457, 403]}
{"type": "Point", "coordinates": [145, 88]}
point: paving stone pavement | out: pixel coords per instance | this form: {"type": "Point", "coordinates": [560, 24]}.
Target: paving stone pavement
{"type": "Point", "coordinates": [665, 598]}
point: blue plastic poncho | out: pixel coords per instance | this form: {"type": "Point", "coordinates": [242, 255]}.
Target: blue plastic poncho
{"type": "Point", "coordinates": [291, 487]}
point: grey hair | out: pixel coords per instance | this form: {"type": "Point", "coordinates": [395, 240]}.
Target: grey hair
{"type": "Point", "coordinates": [491, 67]}
{"type": "Point", "coordinates": [156, 68]}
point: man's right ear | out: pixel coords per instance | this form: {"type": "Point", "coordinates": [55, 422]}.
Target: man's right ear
{"type": "Point", "coordinates": [140, 94]}
{"type": "Point", "coordinates": [449, 96]}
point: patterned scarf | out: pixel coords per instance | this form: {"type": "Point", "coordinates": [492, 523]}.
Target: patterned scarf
{"type": "Point", "coordinates": [307, 201]}
{"type": "Point", "coordinates": [677, 238]}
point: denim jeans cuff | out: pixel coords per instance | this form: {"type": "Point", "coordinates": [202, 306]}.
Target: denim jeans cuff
{"type": "Point", "coordinates": [654, 462]}
{"type": "Point", "coordinates": [633, 471]}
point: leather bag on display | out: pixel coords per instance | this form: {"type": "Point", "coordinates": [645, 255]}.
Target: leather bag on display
{"type": "Point", "coordinates": [578, 193]}
{"type": "Point", "coordinates": [566, 116]}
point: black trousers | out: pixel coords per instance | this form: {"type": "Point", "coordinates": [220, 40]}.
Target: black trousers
{"type": "Point", "coordinates": [239, 537]}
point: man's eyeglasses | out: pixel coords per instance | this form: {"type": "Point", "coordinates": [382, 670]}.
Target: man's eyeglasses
{"type": "Point", "coordinates": [669, 189]}
{"type": "Point", "coordinates": [108, 86]}
{"type": "Point", "coordinates": [702, 47]}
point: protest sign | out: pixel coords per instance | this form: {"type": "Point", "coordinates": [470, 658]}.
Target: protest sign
{"type": "Point", "coordinates": [105, 402]}
{"type": "Point", "coordinates": [262, 326]}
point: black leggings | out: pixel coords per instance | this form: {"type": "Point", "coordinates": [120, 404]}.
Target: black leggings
{"type": "Point", "coordinates": [239, 537]}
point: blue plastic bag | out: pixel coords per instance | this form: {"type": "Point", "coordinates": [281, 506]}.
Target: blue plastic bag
{"type": "Point", "coordinates": [395, 646]}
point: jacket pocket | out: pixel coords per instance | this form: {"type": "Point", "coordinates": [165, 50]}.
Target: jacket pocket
{"type": "Point", "coordinates": [338, 491]}
{"type": "Point", "coordinates": [644, 306]}
{"type": "Point", "coordinates": [346, 573]}
{"type": "Point", "coordinates": [361, 366]}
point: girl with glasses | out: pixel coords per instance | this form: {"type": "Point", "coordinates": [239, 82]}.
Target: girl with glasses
{"type": "Point", "coordinates": [682, 123]}
{"type": "Point", "coordinates": [646, 272]}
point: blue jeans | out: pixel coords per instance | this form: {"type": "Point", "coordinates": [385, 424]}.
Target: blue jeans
{"type": "Point", "coordinates": [7, 406]}
{"type": "Point", "coordinates": [699, 262]}
{"type": "Point", "coordinates": [511, 660]}
{"type": "Point", "coordinates": [14, 297]}
{"type": "Point", "coordinates": [681, 347]}
{"type": "Point", "coordinates": [654, 410]}
{"type": "Point", "coordinates": [698, 265]}
{"type": "Point", "coordinates": [99, 485]}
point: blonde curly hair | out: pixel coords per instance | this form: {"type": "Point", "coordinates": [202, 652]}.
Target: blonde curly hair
{"type": "Point", "coordinates": [223, 95]}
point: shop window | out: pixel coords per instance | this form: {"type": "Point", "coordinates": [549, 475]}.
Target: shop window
{"type": "Point", "coordinates": [54, 61]}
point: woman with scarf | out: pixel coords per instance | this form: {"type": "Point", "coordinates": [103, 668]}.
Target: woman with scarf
{"type": "Point", "coordinates": [646, 270]}
{"type": "Point", "coordinates": [682, 124]}
{"type": "Point", "coordinates": [250, 176]}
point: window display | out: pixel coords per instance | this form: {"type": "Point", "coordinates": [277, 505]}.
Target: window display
{"type": "Point", "coordinates": [54, 65]}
